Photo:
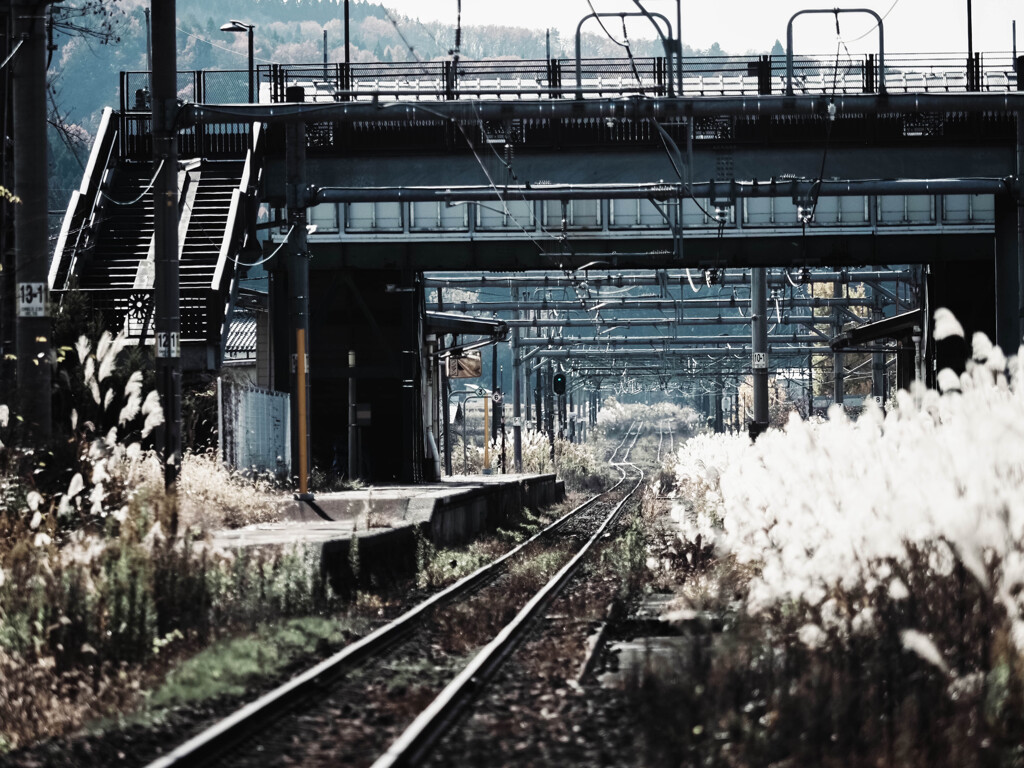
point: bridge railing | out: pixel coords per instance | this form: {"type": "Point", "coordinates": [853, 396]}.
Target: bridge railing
{"type": "Point", "coordinates": [705, 76]}
{"type": "Point", "coordinates": [702, 75]}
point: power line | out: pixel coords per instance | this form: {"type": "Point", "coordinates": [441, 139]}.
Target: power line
{"type": "Point", "coordinates": [222, 47]}
{"type": "Point", "coordinates": [884, 17]}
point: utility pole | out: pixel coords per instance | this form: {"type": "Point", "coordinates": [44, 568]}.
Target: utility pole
{"type": "Point", "coordinates": [549, 409]}
{"type": "Point", "coordinates": [31, 254]}
{"type": "Point", "coordinates": [445, 393]}
{"type": "Point", "coordinates": [877, 358]}
{"type": "Point", "coordinates": [346, 83]}
{"type": "Point", "coordinates": [296, 199]}
{"type": "Point", "coordinates": [838, 361]}
{"type": "Point", "coordinates": [972, 83]}
{"type": "Point", "coordinates": [496, 389]}
{"type": "Point", "coordinates": [517, 394]}
{"type": "Point", "coordinates": [759, 346]}
{"type": "Point", "coordinates": [537, 399]}
{"type": "Point", "coordinates": [717, 406]}
{"type": "Point", "coordinates": [348, 54]}
{"type": "Point", "coordinates": [165, 240]}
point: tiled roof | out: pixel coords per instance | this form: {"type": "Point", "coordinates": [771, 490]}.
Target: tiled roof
{"type": "Point", "coordinates": [241, 336]}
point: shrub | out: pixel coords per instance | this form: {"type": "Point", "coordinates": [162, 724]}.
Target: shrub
{"type": "Point", "coordinates": [883, 610]}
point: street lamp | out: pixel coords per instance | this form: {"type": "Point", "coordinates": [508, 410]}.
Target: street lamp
{"type": "Point", "coordinates": [240, 26]}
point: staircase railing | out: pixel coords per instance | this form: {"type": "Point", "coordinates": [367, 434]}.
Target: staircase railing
{"type": "Point", "coordinates": [83, 209]}
{"type": "Point", "coordinates": [225, 275]}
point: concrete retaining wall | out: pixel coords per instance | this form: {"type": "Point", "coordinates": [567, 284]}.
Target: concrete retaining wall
{"type": "Point", "coordinates": [452, 518]}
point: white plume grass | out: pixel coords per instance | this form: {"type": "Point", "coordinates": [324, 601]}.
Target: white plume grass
{"type": "Point", "coordinates": [820, 506]}
{"type": "Point", "coordinates": [946, 325]}
{"type": "Point", "coordinates": [922, 645]}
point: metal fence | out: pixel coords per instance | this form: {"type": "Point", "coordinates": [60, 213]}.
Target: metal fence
{"type": "Point", "coordinates": [702, 75]}
{"type": "Point", "coordinates": [254, 432]}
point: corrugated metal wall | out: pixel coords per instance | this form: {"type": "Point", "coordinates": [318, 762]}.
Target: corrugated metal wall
{"type": "Point", "coordinates": [255, 428]}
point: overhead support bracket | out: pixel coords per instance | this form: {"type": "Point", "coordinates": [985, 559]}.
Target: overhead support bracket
{"type": "Point", "coordinates": [836, 11]}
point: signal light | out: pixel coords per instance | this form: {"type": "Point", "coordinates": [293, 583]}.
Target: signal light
{"type": "Point", "coordinates": [558, 383]}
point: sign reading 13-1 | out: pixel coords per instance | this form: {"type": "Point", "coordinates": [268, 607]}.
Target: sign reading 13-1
{"type": "Point", "coordinates": [31, 299]}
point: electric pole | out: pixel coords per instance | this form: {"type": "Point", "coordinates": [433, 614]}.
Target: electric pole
{"type": "Point", "coordinates": [31, 248]}
{"type": "Point", "coordinates": [165, 239]}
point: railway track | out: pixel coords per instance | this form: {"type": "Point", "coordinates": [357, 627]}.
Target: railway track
{"type": "Point", "coordinates": [662, 432]}
{"type": "Point", "coordinates": [621, 451]}
{"type": "Point", "coordinates": [407, 682]}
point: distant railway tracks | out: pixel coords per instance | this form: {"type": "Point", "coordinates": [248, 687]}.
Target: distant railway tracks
{"type": "Point", "coordinates": [666, 441]}
{"type": "Point", "coordinates": [387, 699]}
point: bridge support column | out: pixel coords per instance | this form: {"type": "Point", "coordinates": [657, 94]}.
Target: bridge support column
{"type": "Point", "coordinates": [759, 329]}
{"type": "Point", "coordinates": [1008, 258]}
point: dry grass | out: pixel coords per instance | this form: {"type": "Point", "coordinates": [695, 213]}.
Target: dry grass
{"type": "Point", "coordinates": [38, 701]}
{"type": "Point", "coordinates": [211, 496]}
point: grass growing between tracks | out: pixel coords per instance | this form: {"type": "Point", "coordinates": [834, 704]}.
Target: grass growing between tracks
{"type": "Point", "coordinates": [852, 593]}
{"type": "Point", "coordinates": [233, 666]}
{"type": "Point", "coordinates": [437, 567]}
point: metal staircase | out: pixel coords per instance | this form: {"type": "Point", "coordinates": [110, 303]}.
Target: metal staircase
{"type": "Point", "coordinates": [106, 245]}
{"type": "Point", "coordinates": [123, 230]}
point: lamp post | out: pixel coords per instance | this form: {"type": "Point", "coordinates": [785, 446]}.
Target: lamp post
{"type": "Point", "coordinates": [240, 26]}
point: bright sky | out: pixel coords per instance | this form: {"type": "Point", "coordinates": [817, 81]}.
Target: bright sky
{"type": "Point", "coordinates": [911, 26]}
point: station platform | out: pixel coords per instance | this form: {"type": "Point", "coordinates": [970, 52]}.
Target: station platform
{"type": "Point", "coordinates": [387, 521]}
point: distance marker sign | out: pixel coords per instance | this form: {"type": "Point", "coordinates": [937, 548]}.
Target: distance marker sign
{"type": "Point", "coordinates": [31, 299]}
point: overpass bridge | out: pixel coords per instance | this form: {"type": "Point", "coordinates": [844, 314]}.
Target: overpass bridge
{"type": "Point", "coordinates": [372, 175]}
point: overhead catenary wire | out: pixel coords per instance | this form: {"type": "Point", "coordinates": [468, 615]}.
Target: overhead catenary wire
{"type": "Point", "coordinates": [142, 194]}
{"type": "Point", "coordinates": [472, 147]}
{"type": "Point", "coordinates": [603, 27]}
{"type": "Point", "coordinates": [624, 44]}
{"type": "Point", "coordinates": [223, 47]}
{"type": "Point", "coordinates": [265, 259]}
{"type": "Point", "coordinates": [875, 25]}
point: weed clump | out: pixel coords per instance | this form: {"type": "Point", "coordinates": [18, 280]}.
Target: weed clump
{"type": "Point", "coordinates": [101, 572]}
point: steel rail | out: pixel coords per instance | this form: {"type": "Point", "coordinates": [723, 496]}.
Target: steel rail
{"type": "Point", "coordinates": [636, 424]}
{"type": "Point", "coordinates": [440, 715]}
{"type": "Point", "coordinates": [207, 746]}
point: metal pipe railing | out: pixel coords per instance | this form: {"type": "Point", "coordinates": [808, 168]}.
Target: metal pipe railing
{"type": "Point", "coordinates": [836, 11]}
